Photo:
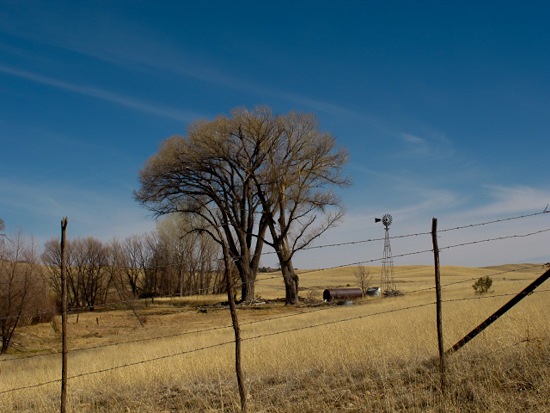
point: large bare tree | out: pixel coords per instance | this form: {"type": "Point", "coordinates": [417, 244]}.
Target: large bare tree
{"type": "Point", "coordinates": [244, 175]}
{"type": "Point", "coordinates": [295, 190]}
{"type": "Point", "coordinates": [210, 173]}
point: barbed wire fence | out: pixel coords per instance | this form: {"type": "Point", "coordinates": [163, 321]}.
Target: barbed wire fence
{"type": "Point", "coordinates": [252, 338]}
{"type": "Point", "coordinates": [297, 312]}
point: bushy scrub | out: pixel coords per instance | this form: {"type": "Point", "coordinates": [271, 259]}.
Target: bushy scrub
{"type": "Point", "coordinates": [483, 285]}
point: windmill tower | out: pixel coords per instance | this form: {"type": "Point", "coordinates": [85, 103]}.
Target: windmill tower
{"type": "Point", "coordinates": [387, 283]}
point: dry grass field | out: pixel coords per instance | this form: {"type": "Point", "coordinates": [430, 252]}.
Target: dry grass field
{"type": "Point", "coordinates": [377, 355]}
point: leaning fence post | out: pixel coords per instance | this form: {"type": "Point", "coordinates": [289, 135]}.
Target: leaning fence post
{"type": "Point", "coordinates": [492, 318]}
{"type": "Point", "coordinates": [63, 319]}
{"type": "Point", "coordinates": [438, 306]}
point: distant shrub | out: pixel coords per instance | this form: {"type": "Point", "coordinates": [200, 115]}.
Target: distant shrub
{"type": "Point", "coordinates": [483, 285]}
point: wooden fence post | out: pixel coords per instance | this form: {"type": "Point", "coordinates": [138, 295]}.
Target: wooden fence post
{"type": "Point", "coordinates": [237, 331]}
{"type": "Point", "coordinates": [439, 316]}
{"type": "Point", "coordinates": [63, 318]}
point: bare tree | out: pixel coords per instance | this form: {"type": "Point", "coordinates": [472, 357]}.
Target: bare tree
{"type": "Point", "coordinates": [295, 190]}
{"type": "Point", "coordinates": [88, 270]}
{"type": "Point", "coordinates": [244, 175]}
{"type": "Point", "coordinates": [194, 255]}
{"type": "Point", "coordinates": [51, 258]}
{"type": "Point", "coordinates": [117, 267]}
{"type": "Point", "coordinates": [91, 258]}
{"type": "Point", "coordinates": [364, 277]}
{"type": "Point", "coordinates": [148, 266]}
{"type": "Point", "coordinates": [23, 295]}
{"type": "Point", "coordinates": [210, 174]}
{"type": "Point", "coordinates": [136, 258]}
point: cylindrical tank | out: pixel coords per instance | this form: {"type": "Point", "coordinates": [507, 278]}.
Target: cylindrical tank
{"type": "Point", "coordinates": [342, 293]}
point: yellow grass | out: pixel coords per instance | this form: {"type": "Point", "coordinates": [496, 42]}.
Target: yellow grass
{"type": "Point", "coordinates": [376, 355]}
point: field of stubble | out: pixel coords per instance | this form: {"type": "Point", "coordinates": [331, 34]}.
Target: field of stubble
{"type": "Point", "coordinates": [377, 355]}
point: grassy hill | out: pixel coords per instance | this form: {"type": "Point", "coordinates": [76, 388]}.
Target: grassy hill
{"type": "Point", "coordinates": [378, 355]}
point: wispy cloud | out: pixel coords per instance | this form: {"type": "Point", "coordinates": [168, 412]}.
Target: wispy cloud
{"type": "Point", "coordinates": [163, 57]}
{"type": "Point", "coordinates": [407, 137]}
{"type": "Point", "coordinates": [166, 58]}
{"type": "Point", "coordinates": [514, 199]}
{"type": "Point", "coordinates": [430, 143]}
{"type": "Point", "coordinates": [97, 93]}
{"type": "Point", "coordinates": [117, 46]}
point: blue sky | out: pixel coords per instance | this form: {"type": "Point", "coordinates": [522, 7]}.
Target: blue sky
{"type": "Point", "coordinates": [444, 108]}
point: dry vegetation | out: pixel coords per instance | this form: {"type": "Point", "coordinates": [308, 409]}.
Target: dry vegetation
{"type": "Point", "coordinates": [378, 355]}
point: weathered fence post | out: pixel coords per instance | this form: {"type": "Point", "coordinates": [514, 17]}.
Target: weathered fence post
{"type": "Point", "coordinates": [439, 316]}
{"type": "Point", "coordinates": [237, 331]}
{"type": "Point", "coordinates": [63, 318]}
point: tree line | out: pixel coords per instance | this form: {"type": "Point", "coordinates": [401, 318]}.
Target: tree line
{"type": "Point", "coordinates": [154, 264]}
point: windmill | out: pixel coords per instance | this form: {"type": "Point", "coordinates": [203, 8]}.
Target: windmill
{"type": "Point", "coordinates": [387, 283]}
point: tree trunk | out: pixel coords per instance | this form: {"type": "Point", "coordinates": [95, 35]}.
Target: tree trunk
{"type": "Point", "coordinates": [5, 343]}
{"type": "Point", "coordinates": [291, 281]}
{"type": "Point", "coordinates": [247, 288]}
